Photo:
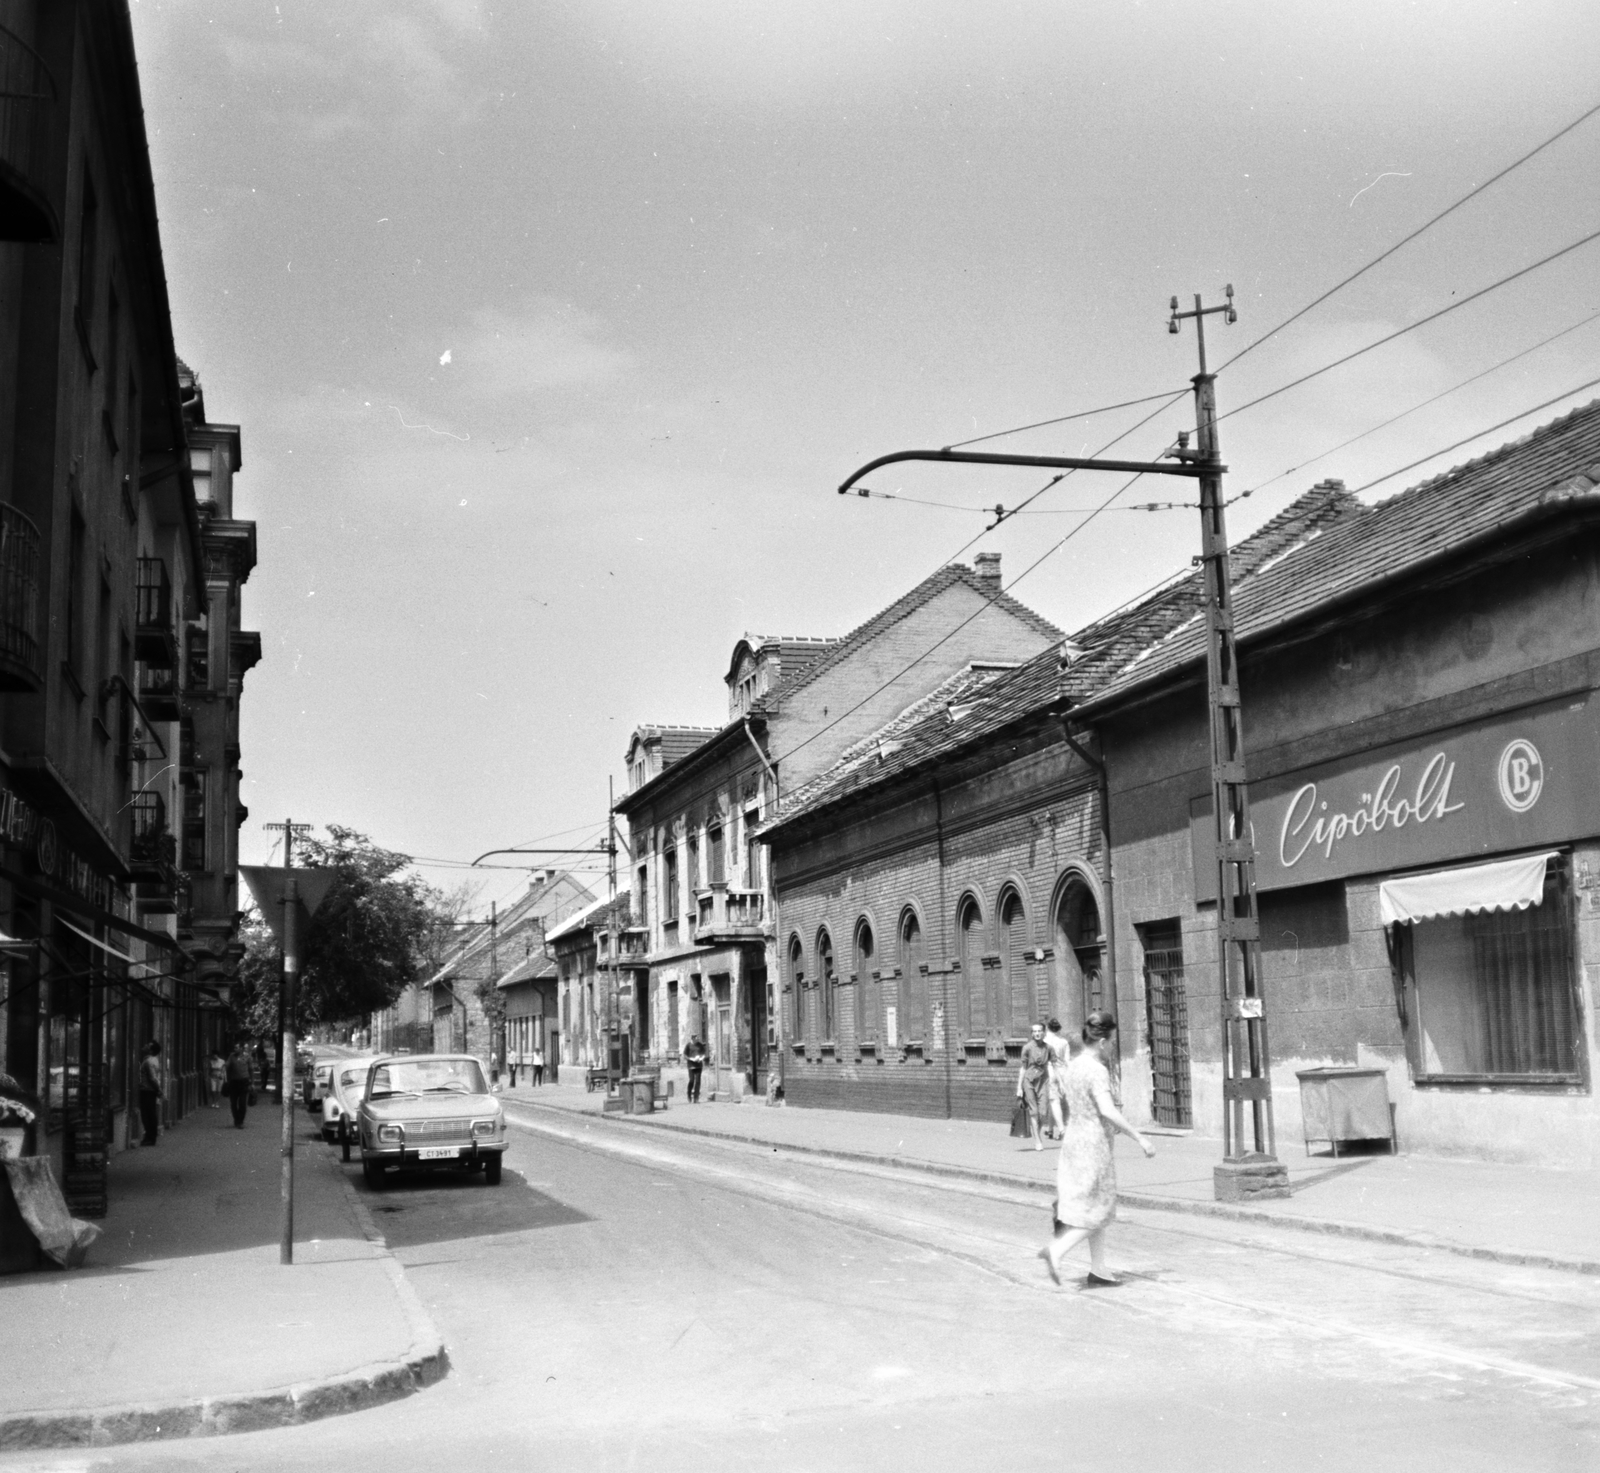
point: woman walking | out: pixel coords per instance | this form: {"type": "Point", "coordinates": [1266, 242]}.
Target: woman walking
{"type": "Point", "coordinates": [1086, 1175]}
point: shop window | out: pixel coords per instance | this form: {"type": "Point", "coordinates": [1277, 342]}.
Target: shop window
{"type": "Point", "coordinates": [797, 982]}
{"type": "Point", "coordinates": [866, 987]}
{"type": "Point", "coordinates": [1488, 996]}
{"type": "Point", "coordinates": [913, 981]}
{"type": "Point", "coordinates": [1012, 999]}
{"type": "Point", "coordinates": [971, 1000]}
{"type": "Point", "coordinates": [827, 981]}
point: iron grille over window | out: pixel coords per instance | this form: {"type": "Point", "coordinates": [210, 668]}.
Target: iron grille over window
{"type": "Point", "coordinates": [1167, 1007]}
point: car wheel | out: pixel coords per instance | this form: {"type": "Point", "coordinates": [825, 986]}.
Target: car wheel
{"type": "Point", "coordinates": [491, 1170]}
{"type": "Point", "coordinates": [374, 1175]}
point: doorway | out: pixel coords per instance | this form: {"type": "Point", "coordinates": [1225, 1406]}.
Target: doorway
{"type": "Point", "coordinates": [757, 1012]}
{"type": "Point", "coordinates": [1167, 1014]}
{"type": "Point", "coordinates": [721, 1040]}
{"type": "Point", "coordinates": [1080, 955]}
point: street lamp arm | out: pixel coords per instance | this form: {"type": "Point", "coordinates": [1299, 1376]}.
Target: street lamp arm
{"type": "Point", "coordinates": [1049, 462]}
{"type": "Point", "coordinates": [599, 849]}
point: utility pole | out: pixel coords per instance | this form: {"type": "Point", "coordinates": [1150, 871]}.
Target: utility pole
{"type": "Point", "coordinates": [289, 829]}
{"type": "Point", "coordinates": [497, 1045]}
{"type": "Point", "coordinates": [615, 1009]}
{"type": "Point", "coordinates": [1253, 1170]}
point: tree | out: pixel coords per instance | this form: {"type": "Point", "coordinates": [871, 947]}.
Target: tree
{"type": "Point", "coordinates": [377, 930]}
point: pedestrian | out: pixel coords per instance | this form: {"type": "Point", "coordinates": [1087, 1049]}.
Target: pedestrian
{"type": "Point", "coordinates": [512, 1060]}
{"type": "Point", "coordinates": [1086, 1175]}
{"type": "Point", "coordinates": [1033, 1081]}
{"type": "Point", "coordinates": [151, 1092]}
{"type": "Point", "coordinates": [538, 1064]}
{"type": "Point", "coordinates": [695, 1058]}
{"type": "Point", "coordinates": [1060, 1057]}
{"type": "Point", "coordinates": [216, 1078]}
{"type": "Point", "coordinates": [237, 1071]}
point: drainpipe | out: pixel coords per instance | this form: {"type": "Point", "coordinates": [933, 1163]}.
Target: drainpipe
{"type": "Point", "coordinates": [1106, 883]}
{"type": "Point", "coordinates": [944, 942]}
{"type": "Point", "coordinates": [777, 958]}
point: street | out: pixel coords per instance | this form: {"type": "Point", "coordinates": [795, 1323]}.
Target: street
{"type": "Point", "coordinates": [626, 1300]}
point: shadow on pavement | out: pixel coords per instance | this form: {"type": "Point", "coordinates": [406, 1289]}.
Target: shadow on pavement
{"type": "Point", "coordinates": [423, 1208]}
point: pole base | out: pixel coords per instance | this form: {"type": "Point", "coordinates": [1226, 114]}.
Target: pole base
{"type": "Point", "coordinates": [1254, 1177]}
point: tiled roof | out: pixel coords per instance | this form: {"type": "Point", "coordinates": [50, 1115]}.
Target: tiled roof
{"type": "Point", "coordinates": [1066, 672]}
{"type": "Point", "coordinates": [924, 592]}
{"type": "Point", "coordinates": [536, 967]}
{"type": "Point", "coordinates": [1538, 474]}
{"type": "Point", "coordinates": [676, 741]}
{"type": "Point", "coordinates": [591, 915]}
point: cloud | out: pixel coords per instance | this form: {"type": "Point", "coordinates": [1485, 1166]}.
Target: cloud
{"type": "Point", "coordinates": [543, 344]}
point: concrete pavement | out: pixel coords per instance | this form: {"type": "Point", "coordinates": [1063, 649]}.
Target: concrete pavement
{"type": "Point", "coordinates": [183, 1323]}
{"type": "Point", "coordinates": [1511, 1214]}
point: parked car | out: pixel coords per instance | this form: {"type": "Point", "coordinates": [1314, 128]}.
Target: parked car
{"type": "Point", "coordinates": [317, 1081]}
{"type": "Point", "coordinates": [343, 1100]}
{"type": "Point", "coordinates": [430, 1111]}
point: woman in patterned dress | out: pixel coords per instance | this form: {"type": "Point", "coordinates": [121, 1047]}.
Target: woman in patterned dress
{"type": "Point", "coordinates": [1086, 1174]}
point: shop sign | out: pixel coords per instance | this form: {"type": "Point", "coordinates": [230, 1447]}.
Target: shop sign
{"type": "Point", "coordinates": [22, 826]}
{"type": "Point", "coordinates": [1512, 782]}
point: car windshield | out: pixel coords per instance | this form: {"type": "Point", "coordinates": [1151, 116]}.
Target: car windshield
{"type": "Point", "coordinates": [425, 1076]}
{"type": "Point", "coordinates": [352, 1081]}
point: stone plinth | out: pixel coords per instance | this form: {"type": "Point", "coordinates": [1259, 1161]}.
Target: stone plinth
{"type": "Point", "coordinates": [1250, 1178]}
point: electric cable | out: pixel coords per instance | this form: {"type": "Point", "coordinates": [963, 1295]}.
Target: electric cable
{"type": "Point", "coordinates": [1476, 435]}
{"type": "Point", "coordinates": [1405, 241]}
{"type": "Point", "coordinates": [1411, 326]}
{"type": "Point", "coordinates": [1065, 418]}
{"type": "Point", "coordinates": [1396, 418]}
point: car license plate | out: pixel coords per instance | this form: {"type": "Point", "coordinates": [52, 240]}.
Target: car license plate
{"type": "Point", "coordinates": [437, 1153]}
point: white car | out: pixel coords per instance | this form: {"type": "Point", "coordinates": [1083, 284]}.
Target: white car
{"type": "Point", "coordinates": [347, 1082]}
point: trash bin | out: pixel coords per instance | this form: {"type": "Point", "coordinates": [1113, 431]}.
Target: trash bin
{"type": "Point", "coordinates": [640, 1095]}
{"type": "Point", "coordinates": [1342, 1105]}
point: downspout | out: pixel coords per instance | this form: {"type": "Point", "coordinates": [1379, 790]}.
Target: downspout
{"type": "Point", "coordinates": [1106, 882]}
{"type": "Point", "coordinates": [944, 944]}
{"type": "Point", "coordinates": [776, 970]}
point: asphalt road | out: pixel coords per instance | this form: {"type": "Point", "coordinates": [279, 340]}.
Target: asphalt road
{"type": "Point", "coordinates": [628, 1299]}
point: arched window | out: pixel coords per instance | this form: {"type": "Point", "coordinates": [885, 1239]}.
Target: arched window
{"type": "Point", "coordinates": [1016, 1004]}
{"type": "Point", "coordinates": [866, 986]}
{"type": "Point", "coordinates": [971, 1003]}
{"type": "Point", "coordinates": [797, 981]}
{"type": "Point", "coordinates": [913, 981]}
{"type": "Point", "coordinates": [1079, 961]}
{"type": "Point", "coordinates": [827, 980]}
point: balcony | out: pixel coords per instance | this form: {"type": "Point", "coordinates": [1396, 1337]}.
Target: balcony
{"type": "Point", "coordinates": [633, 947]}
{"type": "Point", "coordinates": [20, 664]}
{"type": "Point", "coordinates": [158, 693]}
{"type": "Point", "coordinates": [27, 94]}
{"type": "Point", "coordinates": [155, 641]}
{"type": "Point", "coordinates": [728, 915]}
{"type": "Point", "coordinates": [152, 854]}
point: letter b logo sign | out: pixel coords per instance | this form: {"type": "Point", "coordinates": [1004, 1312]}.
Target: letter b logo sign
{"type": "Point", "coordinates": [1521, 775]}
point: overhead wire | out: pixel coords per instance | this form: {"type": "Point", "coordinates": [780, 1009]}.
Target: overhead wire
{"type": "Point", "coordinates": [1062, 419]}
{"type": "Point", "coordinates": [1406, 240]}
{"type": "Point", "coordinates": [1432, 399]}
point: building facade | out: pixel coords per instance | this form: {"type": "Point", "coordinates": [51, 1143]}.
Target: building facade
{"type": "Point", "coordinates": [102, 574]}
{"type": "Point", "coordinates": [701, 888]}
{"type": "Point", "coordinates": [1418, 680]}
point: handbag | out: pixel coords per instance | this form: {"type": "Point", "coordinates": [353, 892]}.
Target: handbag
{"type": "Point", "coordinates": [1019, 1119]}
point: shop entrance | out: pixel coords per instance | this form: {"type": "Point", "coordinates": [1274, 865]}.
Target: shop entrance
{"type": "Point", "coordinates": [1080, 956]}
{"type": "Point", "coordinates": [754, 1029]}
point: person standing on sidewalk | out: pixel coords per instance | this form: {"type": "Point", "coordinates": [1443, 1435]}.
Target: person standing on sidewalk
{"type": "Point", "coordinates": [238, 1083]}
{"type": "Point", "coordinates": [151, 1092]}
{"type": "Point", "coordinates": [216, 1079]}
{"type": "Point", "coordinates": [538, 1063]}
{"type": "Point", "coordinates": [1086, 1175]}
{"type": "Point", "coordinates": [694, 1058]}
{"type": "Point", "coordinates": [1032, 1080]}
{"type": "Point", "coordinates": [1060, 1057]}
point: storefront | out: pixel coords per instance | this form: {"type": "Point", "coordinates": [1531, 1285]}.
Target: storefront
{"type": "Point", "coordinates": [1464, 871]}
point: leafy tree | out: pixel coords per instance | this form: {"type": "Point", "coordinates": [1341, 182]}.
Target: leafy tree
{"type": "Point", "coordinates": [378, 929]}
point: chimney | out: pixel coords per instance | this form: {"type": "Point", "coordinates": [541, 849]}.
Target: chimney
{"type": "Point", "coordinates": [987, 566]}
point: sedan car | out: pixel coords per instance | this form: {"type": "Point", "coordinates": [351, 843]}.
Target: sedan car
{"type": "Point", "coordinates": [318, 1080]}
{"type": "Point", "coordinates": [343, 1100]}
{"type": "Point", "coordinates": [429, 1111]}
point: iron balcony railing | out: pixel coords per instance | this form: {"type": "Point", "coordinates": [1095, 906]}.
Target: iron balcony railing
{"type": "Point", "coordinates": [722, 911]}
{"type": "Point", "coordinates": [20, 664]}
{"type": "Point", "coordinates": [27, 92]}
{"type": "Point", "coordinates": [155, 640]}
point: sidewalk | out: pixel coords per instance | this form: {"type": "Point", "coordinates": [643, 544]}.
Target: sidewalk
{"type": "Point", "coordinates": [1514, 1214]}
{"type": "Point", "coordinates": [183, 1323]}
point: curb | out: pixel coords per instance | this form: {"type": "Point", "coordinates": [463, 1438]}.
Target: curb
{"type": "Point", "coordinates": [1260, 1217]}
{"type": "Point", "coordinates": [426, 1362]}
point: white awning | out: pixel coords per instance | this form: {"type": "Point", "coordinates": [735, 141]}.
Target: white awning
{"type": "Point", "coordinates": [1503, 884]}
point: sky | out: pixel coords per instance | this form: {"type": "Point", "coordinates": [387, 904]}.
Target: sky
{"type": "Point", "coordinates": [551, 329]}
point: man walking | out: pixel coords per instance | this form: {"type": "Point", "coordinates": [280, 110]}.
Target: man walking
{"type": "Point", "coordinates": [1060, 1057]}
{"type": "Point", "coordinates": [538, 1063]}
{"type": "Point", "coordinates": [151, 1092]}
{"type": "Point", "coordinates": [1032, 1081]}
{"type": "Point", "coordinates": [695, 1058]}
{"type": "Point", "coordinates": [238, 1083]}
